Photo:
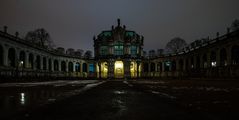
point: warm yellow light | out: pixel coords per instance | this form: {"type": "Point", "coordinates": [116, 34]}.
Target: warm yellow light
{"type": "Point", "coordinates": [118, 64]}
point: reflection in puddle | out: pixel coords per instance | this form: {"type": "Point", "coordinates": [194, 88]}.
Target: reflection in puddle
{"type": "Point", "coordinates": [14, 99]}
{"type": "Point", "coordinates": [119, 92]}
{"type": "Point", "coordinates": [22, 99]}
{"type": "Point", "coordinates": [119, 103]}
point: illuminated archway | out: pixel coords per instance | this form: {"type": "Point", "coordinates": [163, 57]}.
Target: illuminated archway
{"type": "Point", "coordinates": [119, 69]}
{"type": "Point", "coordinates": [133, 69]}
{"type": "Point", "coordinates": [104, 70]}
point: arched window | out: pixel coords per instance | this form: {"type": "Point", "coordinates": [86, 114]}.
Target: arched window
{"type": "Point", "coordinates": [56, 65]}
{"type": "Point", "coordinates": [235, 55]}
{"type": "Point", "coordinates": [38, 62]}
{"type": "Point", "coordinates": [223, 57]}
{"type": "Point", "coordinates": [77, 67]}
{"type": "Point", "coordinates": [63, 66]}
{"type": "Point", "coordinates": [1, 55]}
{"type": "Point", "coordinates": [44, 63]}
{"type": "Point", "coordinates": [31, 60]}
{"type": "Point", "coordinates": [118, 48]}
{"type": "Point", "coordinates": [12, 57]}
{"type": "Point", "coordinates": [49, 65]}
{"type": "Point", "coordinates": [70, 66]}
{"type": "Point", "coordinates": [84, 67]}
{"type": "Point", "coordinates": [213, 59]}
{"type": "Point", "coordinates": [22, 57]}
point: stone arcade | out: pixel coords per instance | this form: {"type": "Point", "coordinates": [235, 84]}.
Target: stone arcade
{"type": "Point", "coordinates": [119, 54]}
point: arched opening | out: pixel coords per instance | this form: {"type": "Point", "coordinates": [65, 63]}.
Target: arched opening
{"type": "Point", "coordinates": [22, 61]}
{"type": "Point", "coordinates": [152, 67]}
{"type": "Point", "coordinates": [12, 57]}
{"type": "Point", "coordinates": [119, 69]}
{"type": "Point", "coordinates": [63, 66]}
{"type": "Point", "coordinates": [84, 67]}
{"type": "Point", "coordinates": [204, 58]}
{"type": "Point", "coordinates": [159, 67]}
{"type": "Point", "coordinates": [104, 70]}
{"type": "Point", "coordinates": [31, 60]}
{"type": "Point", "coordinates": [167, 65]}
{"type": "Point", "coordinates": [146, 67]}
{"type": "Point", "coordinates": [133, 69]}
{"type": "Point", "coordinates": [223, 57]}
{"type": "Point", "coordinates": [56, 65]}
{"type": "Point", "coordinates": [198, 62]}
{"type": "Point", "coordinates": [77, 67]}
{"type": "Point", "coordinates": [1, 55]}
{"type": "Point", "coordinates": [91, 68]}
{"type": "Point", "coordinates": [173, 66]}
{"type": "Point", "coordinates": [44, 63]}
{"type": "Point", "coordinates": [192, 63]}
{"type": "Point", "coordinates": [49, 65]}
{"type": "Point", "coordinates": [180, 65]}
{"type": "Point", "coordinates": [70, 66]}
{"type": "Point", "coordinates": [187, 66]}
{"type": "Point", "coordinates": [235, 55]}
{"type": "Point", "coordinates": [213, 59]}
{"type": "Point", "coordinates": [38, 62]}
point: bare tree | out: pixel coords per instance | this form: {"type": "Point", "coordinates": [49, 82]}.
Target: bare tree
{"type": "Point", "coordinates": [235, 25]}
{"type": "Point", "coordinates": [40, 37]}
{"type": "Point", "coordinates": [88, 54]}
{"type": "Point", "coordinates": [175, 45]}
{"type": "Point", "coordinates": [79, 52]}
{"type": "Point", "coordinates": [152, 53]}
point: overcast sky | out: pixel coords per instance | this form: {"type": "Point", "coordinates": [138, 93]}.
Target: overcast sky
{"type": "Point", "coordinates": [73, 23]}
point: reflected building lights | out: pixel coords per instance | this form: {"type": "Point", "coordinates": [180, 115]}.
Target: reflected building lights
{"type": "Point", "coordinates": [22, 98]}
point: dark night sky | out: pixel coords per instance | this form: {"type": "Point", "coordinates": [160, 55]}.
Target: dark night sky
{"type": "Point", "coordinates": [73, 23]}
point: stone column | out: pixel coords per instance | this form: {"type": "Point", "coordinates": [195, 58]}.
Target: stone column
{"type": "Point", "coordinates": [126, 68]}
{"type": "Point", "coordinates": [111, 68]}
{"type": "Point", "coordinates": [99, 65]}
{"type": "Point", "coordinates": [67, 66]}
{"type": "Point", "coordinates": [5, 56]}
{"type": "Point", "coordinates": [229, 55]}
{"type": "Point", "coordinates": [74, 68]}
{"type": "Point", "coordinates": [138, 63]}
{"type": "Point", "coordinates": [41, 62]}
{"type": "Point", "coordinates": [59, 65]}
{"type": "Point", "coordinates": [47, 66]}
{"type": "Point", "coordinates": [218, 59]}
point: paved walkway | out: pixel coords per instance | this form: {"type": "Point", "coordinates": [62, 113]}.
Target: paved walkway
{"type": "Point", "coordinates": [112, 100]}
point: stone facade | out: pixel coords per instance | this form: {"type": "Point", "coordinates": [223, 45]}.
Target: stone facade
{"type": "Point", "coordinates": [119, 54]}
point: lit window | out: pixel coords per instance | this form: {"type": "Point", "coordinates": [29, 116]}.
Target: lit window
{"type": "Point", "coordinates": [133, 50]}
{"type": "Point", "coordinates": [214, 64]}
{"type": "Point", "coordinates": [103, 50]}
{"type": "Point", "coordinates": [119, 49]}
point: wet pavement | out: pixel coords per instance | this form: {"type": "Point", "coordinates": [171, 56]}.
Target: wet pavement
{"type": "Point", "coordinates": [112, 100]}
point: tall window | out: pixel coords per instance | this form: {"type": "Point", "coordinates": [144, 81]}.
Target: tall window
{"type": "Point", "coordinates": [133, 50]}
{"type": "Point", "coordinates": [103, 50]}
{"type": "Point", "coordinates": [119, 49]}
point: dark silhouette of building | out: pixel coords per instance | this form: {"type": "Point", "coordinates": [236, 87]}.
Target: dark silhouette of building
{"type": "Point", "coordinates": [119, 54]}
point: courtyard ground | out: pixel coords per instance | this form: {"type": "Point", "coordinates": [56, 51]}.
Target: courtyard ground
{"type": "Point", "coordinates": [116, 100]}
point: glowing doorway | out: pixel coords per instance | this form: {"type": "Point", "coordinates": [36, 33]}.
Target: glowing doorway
{"type": "Point", "coordinates": [119, 69]}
